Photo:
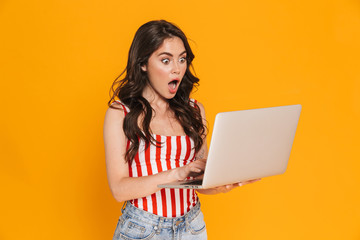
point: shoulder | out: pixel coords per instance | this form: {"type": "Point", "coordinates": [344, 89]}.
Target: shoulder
{"type": "Point", "coordinates": [115, 114]}
{"type": "Point", "coordinates": [120, 105]}
{"type": "Point", "coordinates": [117, 106]}
{"type": "Point", "coordinates": [113, 132]}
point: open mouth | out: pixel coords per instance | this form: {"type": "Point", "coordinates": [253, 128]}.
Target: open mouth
{"type": "Point", "coordinates": [173, 84]}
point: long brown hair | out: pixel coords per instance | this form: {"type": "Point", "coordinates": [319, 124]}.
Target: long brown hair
{"type": "Point", "coordinates": [147, 40]}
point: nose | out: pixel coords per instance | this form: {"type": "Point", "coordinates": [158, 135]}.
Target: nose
{"type": "Point", "coordinates": [176, 68]}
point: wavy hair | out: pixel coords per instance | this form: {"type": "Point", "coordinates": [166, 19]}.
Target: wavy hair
{"type": "Point", "coordinates": [128, 89]}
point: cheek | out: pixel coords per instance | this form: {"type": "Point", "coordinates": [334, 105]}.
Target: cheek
{"type": "Point", "coordinates": [158, 72]}
{"type": "Point", "coordinates": [183, 70]}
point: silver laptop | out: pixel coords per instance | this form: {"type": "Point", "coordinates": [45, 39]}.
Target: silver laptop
{"type": "Point", "coordinates": [246, 145]}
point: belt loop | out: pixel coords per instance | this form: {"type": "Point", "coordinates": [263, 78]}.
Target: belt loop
{"type": "Point", "coordinates": [173, 225]}
{"type": "Point", "coordinates": [187, 222]}
{"type": "Point", "coordinates": [123, 207]}
{"type": "Point", "coordinates": [186, 225]}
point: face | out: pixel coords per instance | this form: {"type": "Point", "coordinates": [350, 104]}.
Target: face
{"type": "Point", "coordinates": [165, 69]}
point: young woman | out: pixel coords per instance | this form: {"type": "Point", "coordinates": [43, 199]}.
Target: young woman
{"type": "Point", "coordinates": [153, 134]}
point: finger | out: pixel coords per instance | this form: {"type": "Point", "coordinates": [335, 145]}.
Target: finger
{"type": "Point", "coordinates": [194, 168]}
{"type": "Point", "coordinates": [249, 181]}
{"type": "Point", "coordinates": [195, 171]}
{"type": "Point", "coordinates": [221, 189]}
{"type": "Point", "coordinates": [199, 176]}
{"type": "Point", "coordinates": [254, 180]}
{"type": "Point", "coordinates": [199, 164]}
{"type": "Point", "coordinates": [227, 188]}
{"type": "Point", "coordinates": [195, 175]}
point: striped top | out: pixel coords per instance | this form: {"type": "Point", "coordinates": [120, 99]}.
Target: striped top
{"type": "Point", "coordinates": [173, 152]}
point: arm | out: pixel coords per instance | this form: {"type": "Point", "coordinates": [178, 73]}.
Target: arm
{"type": "Point", "coordinates": [121, 185]}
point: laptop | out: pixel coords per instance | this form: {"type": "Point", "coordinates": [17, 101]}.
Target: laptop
{"type": "Point", "coordinates": [246, 145]}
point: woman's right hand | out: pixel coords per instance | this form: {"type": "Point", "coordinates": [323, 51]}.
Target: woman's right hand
{"type": "Point", "coordinates": [192, 169]}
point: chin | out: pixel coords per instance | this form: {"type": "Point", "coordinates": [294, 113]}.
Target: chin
{"type": "Point", "coordinates": [170, 96]}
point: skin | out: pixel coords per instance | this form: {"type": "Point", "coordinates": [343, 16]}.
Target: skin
{"type": "Point", "coordinates": [165, 64]}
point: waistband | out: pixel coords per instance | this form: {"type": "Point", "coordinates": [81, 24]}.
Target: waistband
{"type": "Point", "coordinates": [161, 222]}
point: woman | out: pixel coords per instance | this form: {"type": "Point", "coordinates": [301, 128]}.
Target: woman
{"type": "Point", "coordinates": [153, 134]}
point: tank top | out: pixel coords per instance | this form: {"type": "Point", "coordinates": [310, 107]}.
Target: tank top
{"type": "Point", "coordinates": [173, 152]}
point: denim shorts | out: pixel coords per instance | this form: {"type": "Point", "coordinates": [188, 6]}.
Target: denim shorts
{"type": "Point", "coordinates": [135, 223]}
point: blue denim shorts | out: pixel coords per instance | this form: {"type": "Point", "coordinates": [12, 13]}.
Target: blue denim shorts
{"type": "Point", "coordinates": [135, 223]}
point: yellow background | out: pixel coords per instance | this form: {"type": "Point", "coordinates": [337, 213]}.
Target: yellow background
{"type": "Point", "coordinates": [59, 58]}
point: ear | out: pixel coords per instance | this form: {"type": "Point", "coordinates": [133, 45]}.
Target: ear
{"type": "Point", "coordinates": [144, 68]}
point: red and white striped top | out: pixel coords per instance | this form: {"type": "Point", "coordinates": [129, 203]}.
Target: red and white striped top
{"type": "Point", "coordinates": [175, 151]}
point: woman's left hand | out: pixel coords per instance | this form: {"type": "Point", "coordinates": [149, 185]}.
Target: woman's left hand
{"type": "Point", "coordinates": [226, 188]}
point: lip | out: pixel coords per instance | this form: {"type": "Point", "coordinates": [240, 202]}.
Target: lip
{"type": "Point", "coordinates": [175, 79]}
{"type": "Point", "coordinates": [177, 82]}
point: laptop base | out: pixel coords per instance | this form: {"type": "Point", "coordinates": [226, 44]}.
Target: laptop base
{"type": "Point", "coordinates": [188, 184]}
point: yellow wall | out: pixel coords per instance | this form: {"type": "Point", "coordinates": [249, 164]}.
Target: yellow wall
{"type": "Point", "coordinates": [59, 58]}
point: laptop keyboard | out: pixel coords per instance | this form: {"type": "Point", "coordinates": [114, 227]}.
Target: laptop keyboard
{"type": "Point", "coordinates": [194, 182]}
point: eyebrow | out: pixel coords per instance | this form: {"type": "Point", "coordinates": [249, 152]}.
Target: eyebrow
{"type": "Point", "coordinates": [169, 54]}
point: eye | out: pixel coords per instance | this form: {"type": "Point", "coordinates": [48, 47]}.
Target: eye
{"type": "Point", "coordinates": [165, 61]}
{"type": "Point", "coordinates": [182, 60]}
